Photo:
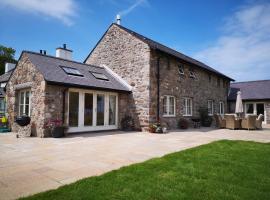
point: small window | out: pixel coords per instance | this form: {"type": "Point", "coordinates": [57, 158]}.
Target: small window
{"type": "Point", "coordinates": [187, 106]}
{"type": "Point", "coordinates": [221, 108]}
{"type": "Point", "coordinates": [169, 106]}
{"type": "Point", "coordinates": [72, 71]}
{"type": "Point", "coordinates": [181, 70]}
{"type": "Point", "coordinates": [24, 102]}
{"type": "Point", "coordinates": [99, 76]}
{"type": "Point", "coordinates": [210, 107]}
{"type": "Point", "coordinates": [192, 73]}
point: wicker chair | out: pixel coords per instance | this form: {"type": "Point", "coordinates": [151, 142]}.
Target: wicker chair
{"type": "Point", "coordinates": [232, 122]}
{"type": "Point", "coordinates": [259, 121]}
{"type": "Point", "coordinates": [220, 123]}
{"type": "Point", "coordinates": [249, 122]}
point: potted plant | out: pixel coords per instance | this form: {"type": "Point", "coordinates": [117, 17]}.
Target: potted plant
{"type": "Point", "coordinates": [206, 120]}
{"type": "Point", "coordinates": [155, 128]}
{"type": "Point", "coordinates": [56, 127]}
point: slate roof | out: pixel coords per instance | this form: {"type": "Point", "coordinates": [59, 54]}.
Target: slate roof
{"type": "Point", "coordinates": [251, 90]}
{"type": "Point", "coordinates": [5, 77]}
{"type": "Point", "coordinates": [50, 67]}
{"type": "Point", "coordinates": [156, 45]}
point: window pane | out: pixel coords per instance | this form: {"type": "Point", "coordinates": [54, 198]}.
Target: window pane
{"type": "Point", "coordinates": [250, 109]}
{"type": "Point", "coordinates": [27, 95]}
{"type": "Point", "coordinates": [112, 110]}
{"type": "Point", "coordinates": [22, 97]}
{"type": "Point", "coordinates": [88, 109]}
{"type": "Point", "coordinates": [73, 108]}
{"type": "Point", "coordinates": [165, 105]}
{"type": "Point", "coordinates": [21, 110]}
{"type": "Point", "coordinates": [171, 106]}
{"type": "Point", "coordinates": [26, 110]}
{"type": "Point", "coordinates": [100, 109]}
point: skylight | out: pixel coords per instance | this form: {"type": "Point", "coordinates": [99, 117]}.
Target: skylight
{"type": "Point", "coordinates": [99, 76]}
{"type": "Point", "coordinates": [72, 71]}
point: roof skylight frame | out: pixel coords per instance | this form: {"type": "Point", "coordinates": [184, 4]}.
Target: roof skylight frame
{"type": "Point", "coordinates": [99, 76]}
{"type": "Point", "coordinates": [72, 71]}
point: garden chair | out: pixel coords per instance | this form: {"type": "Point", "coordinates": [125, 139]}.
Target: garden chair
{"type": "Point", "coordinates": [259, 121]}
{"type": "Point", "coordinates": [232, 122]}
{"type": "Point", "coordinates": [249, 122]}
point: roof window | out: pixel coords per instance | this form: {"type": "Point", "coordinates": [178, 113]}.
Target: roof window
{"type": "Point", "coordinates": [71, 71]}
{"type": "Point", "coordinates": [99, 76]}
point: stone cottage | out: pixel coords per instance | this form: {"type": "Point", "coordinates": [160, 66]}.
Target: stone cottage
{"type": "Point", "coordinates": [255, 96]}
{"type": "Point", "coordinates": [126, 74]}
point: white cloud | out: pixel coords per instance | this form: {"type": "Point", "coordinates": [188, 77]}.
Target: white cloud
{"type": "Point", "coordinates": [132, 7]}
{"type": "Point", "coordinates": [63, 10]}
{"type": "Point", "coordinates": [243, 49]}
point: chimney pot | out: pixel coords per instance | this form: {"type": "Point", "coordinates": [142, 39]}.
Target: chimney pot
{"type": "Point", "coordinates": [44, 52]}
{"type": "Point", "coordinates": [118, 19]}
{"type": "Point", "coordinates": [40, 51]}
{"type": "Point", "coordinates": [64, 46]}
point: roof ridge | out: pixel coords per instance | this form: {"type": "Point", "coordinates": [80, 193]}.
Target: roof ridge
{"type": "Point", "coordinates": [54, 57]}
{"type": "Point", "coordinates": [251, 81]}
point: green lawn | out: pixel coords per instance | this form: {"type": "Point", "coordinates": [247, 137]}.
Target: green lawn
{"type": "Point", "coordinates": [220, 170]}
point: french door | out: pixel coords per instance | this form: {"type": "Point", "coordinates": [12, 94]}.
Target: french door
{"type": "Point", "coordinates": [92, 110]}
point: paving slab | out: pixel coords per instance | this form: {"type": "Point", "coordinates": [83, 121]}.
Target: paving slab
{"type": "Point", "coordinates": [32, 165]}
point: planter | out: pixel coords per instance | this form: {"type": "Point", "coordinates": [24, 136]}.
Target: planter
{"type": "Point", "coordinates": [23, 120]}
{"type": "Point", "coordinates": [58, 132]}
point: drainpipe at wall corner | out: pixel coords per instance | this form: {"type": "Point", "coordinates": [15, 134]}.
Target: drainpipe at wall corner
{"type": "Point", "coordinates": [158, 85]}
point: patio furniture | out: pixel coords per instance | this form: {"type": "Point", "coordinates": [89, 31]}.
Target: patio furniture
{"type": "Point", "coordinates": [232, 122]}
{"type": "Point", "coordinates": [196, 122]}
{"type": "Point", "coordinates": [220, 122]}
{"type": "Point", "coordinates": [249, 122]}
{"type": "Point", "coordinates": [259, 121]}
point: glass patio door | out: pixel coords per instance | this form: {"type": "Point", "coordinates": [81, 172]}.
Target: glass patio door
{"type": "Point", "coordinates": [73, 109]}
{"type": "Point", "coordinates": [88, 109]}
{"type": "Point", "coordinates": [260, 109]}
{"type": "Point", "coordinates": [100, 109]}
{"type": "Point", "coordinates": [112, 110]}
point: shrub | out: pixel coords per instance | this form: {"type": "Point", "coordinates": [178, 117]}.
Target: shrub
{"type": "Point", "coordinates": [183, 123]}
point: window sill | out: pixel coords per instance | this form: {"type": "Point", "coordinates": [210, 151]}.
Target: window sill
{"type": "Point", "coordinates": [168, 116]}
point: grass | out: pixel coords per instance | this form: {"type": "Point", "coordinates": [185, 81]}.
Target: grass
{"type": "Point", "coordinates": [219, 170]}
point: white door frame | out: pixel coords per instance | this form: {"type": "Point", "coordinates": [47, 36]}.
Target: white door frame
{"type": "Point", "coordinates": [94, 127]}
{"type": "Point", "coordinates": [255, 109]}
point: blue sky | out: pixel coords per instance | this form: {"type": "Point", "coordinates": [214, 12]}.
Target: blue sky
{"type": "Point", "coordinates": [231, 36]}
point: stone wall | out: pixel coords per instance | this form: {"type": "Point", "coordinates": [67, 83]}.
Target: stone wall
{"type": "Point", "coordinates": [24, 73]}
{"type": "Point", "coordinates": [54, 99]}
{"type": "Point", "coordinates": [172, 83]}
{"type": "Point", "coordinates": [129, 57]}
{"type": "Point", "coordinates": [267, 109]}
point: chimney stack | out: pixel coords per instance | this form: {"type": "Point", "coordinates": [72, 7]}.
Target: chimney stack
{"type": "Point", "coordinates": [118, 19]}
{"type": "Point", "coordinates": [63, 52]}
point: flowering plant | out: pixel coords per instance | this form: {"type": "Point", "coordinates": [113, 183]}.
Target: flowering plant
{"type": "Point", "coordinates": [52, 123]}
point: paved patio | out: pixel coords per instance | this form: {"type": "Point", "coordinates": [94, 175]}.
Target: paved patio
{"type": "Point", "coordinates": [32, 165]}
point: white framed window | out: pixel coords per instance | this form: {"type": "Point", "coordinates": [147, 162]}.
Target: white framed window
{"type": "Point", "coordinates": [168, 106]}
{"type": "Point", "coordinates": [24, 102]}
{"type": "Point", "coordinates": [221, 108]}
{"type": "Point", "coordinates": [210, 107]}
{"type": "Point", "coordinates": [192, 73]}
{"type": "Point", "coordinates": [181, 70]}
{"type": "Point", "coordinates": [187, 106]}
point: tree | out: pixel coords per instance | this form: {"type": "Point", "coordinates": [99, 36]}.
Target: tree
{"type": "Point", "coordinates": [6, 55]}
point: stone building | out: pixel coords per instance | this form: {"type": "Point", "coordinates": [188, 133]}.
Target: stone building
{"type": "Point", "coordinates": [166, 85]}
{"type": "Point", "coordinates": [126, 74]}
{"type": "Point", "coordinates": [255, 96]}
